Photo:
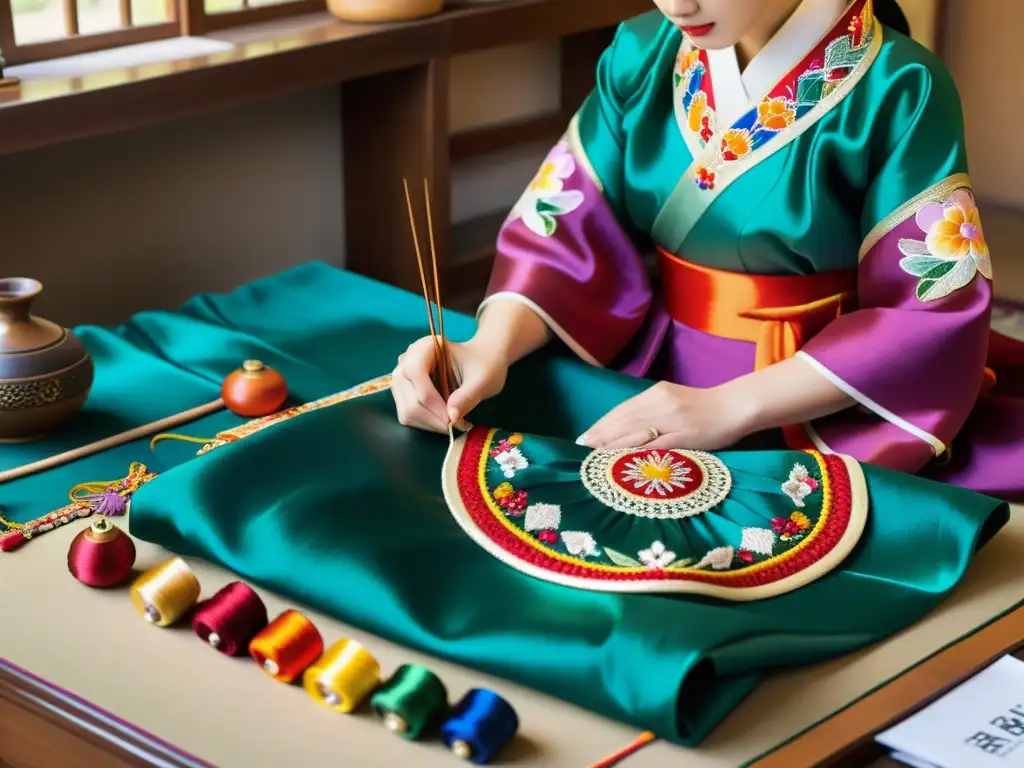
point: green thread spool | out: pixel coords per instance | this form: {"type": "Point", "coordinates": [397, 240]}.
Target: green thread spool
{"type": "Point", "coordinates": [410, 700]}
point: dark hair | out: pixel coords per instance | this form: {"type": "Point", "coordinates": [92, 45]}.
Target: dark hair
{"type": "Point", "coordinates": [891, 15]}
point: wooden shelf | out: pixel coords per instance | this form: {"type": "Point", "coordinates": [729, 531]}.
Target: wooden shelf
{"type": "Point", "coordinates": [493, 138]}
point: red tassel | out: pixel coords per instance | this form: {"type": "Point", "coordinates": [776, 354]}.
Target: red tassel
{"type": "Point", "coordinates": [12, 541]}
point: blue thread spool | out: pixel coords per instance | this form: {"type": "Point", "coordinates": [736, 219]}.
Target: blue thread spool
{"type": "Point", "coordinates": [480, 726]}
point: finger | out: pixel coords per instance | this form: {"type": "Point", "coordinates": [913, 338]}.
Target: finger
{"type": "Point", "coordinates": [416, 369]}
{"type": "Point", "coordinates": [618, 423]}
{"type": "Point", "coordinates": [464, 399]}
{"type": "Point", "coordinates": [635, 438]}
{"type": "Point", "coordinates": [411, 412]}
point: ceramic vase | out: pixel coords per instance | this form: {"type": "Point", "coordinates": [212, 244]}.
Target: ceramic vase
{"type": "Point", "coordinates": [45, 371]}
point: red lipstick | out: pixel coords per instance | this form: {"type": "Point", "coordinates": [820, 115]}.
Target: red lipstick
{"type": "Point", "coordinates": [701, 31]}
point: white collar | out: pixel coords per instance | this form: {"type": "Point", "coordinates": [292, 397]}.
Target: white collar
{"type": "Point", "coordinates": [737, 92]}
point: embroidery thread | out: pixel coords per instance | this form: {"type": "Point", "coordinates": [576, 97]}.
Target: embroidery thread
{"type": "Point", "coordinates": [954, 250]}
{"type": "Point", "coordinates": [546, 199]}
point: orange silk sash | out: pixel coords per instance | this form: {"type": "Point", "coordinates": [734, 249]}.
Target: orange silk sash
{"type": "Point", "coordinates": [778, 314]}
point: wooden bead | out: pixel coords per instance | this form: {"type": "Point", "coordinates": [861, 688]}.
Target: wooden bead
{"type": "Point", "coordinates": [254, 390]}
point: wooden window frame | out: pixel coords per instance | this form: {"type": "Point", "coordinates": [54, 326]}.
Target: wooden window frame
{"type": "Point", "coordinates": [186, 18]}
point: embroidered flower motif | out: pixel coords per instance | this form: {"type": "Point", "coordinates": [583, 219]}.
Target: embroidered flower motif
{"type": "Point", "coordinates": [687, 60]}
{"type": "Point", "coordinates": [657, 472]}
{"type": "Point", "coordinates": [718, 559]}
{"type": "Point", "coordinates": [776, 114]}
{"type": "Point", "coordinates": [657, 557]}
{"type": "Point", "coordinates": [705, 179]}
{"type": "Point", "coordinates": [745, 556]}
{"type": "Point", "coordinates": [545, 199]}
{"type": "Point", "coordinates": [548, 537]}
{"type": "Point", "coordinates": [759, 540]}
{"type": "Point", "coordinates": [514, 503]}
{"type": "Point", "coordinates": [695, 117]}
{"type": "Point", "coordinates": [515, 439]}
{"type": "Point", "coordinates": [800, 485]}
{"type": "Point", "coordinates": [511, 461]}
{"type": "Point", "coordinates": [542, 516]}
{"type": "Point", "coordinates": [500, 447]}
{"type": "Point", "coordinates": [954, 250]}
{"type": "Point", "coordinates": [792, 528]}
{"type": "Point", "coordinates": [502, 491]}
{"type": "Point", "coordinates": [579, 543]}
{"type": "Point", "coordinates": [736, 143]}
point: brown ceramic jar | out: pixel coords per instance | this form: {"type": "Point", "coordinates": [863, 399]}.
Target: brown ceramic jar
{"type": "Point", "coordinates": [45, 371]}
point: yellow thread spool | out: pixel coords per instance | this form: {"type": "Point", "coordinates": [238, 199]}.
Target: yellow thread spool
{"type": "Point", "coordinates": [164, 594]}
{"type": "Point", "coordinates": [345, 675]}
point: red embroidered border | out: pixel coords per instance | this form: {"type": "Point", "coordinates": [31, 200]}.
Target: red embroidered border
{"type": "Point", "coordinates": [484, 517]}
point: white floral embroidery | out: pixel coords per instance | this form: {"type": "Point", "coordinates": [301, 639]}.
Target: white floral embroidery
{"type": "Point", "coordinates": [657, 473]}
{"type": "Point", "coordinates": [510, 461]}
{"type": "Point", "coordinates": [579, 543]}
{"type": "Point", "coordinates": [800, 485]}
{"type": "Point", "coordinates": [758, 540]}
{"type": "Point", "coordinates": [542, 517]}
{"type": "Point", "coordinates": [719, 559]}
{"type": "Point", "coordinates": [657, 557]}
{"type": "Point", "coordinates": [546, 199]}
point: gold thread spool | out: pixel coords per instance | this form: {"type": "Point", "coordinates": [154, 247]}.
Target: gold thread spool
{"type": "Point", "coordinates": [345, 675]}
{"type": "Point", "coordinates": [164, 594]}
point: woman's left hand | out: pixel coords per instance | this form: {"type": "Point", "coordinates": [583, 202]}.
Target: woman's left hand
{"type": "Point", "coordinates": [684, 417]}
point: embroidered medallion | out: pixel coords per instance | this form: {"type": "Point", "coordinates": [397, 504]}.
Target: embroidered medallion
{"type": "Point", "coordinates": [653, 483]}
{"type": "Point", "coordinates": [693, 524]}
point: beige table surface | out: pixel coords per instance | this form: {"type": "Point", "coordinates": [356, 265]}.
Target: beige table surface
{"type": "Point", "coordinates": [229, 713]}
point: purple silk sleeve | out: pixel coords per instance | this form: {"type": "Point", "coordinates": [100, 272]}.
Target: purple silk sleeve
{"type": "Point", "coordinates": [913, 354]}
{"type": "Point", "coordinates": [563, 253]}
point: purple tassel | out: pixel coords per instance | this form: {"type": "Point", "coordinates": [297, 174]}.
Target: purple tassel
{"type": "Point", "coordinates": [109, 503]}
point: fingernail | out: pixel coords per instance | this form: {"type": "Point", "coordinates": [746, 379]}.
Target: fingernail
{"type": "Point", "coordinates": [581, 440]}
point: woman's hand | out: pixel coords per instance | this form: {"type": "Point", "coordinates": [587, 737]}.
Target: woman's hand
{"type": "Point", "coordinates": [698, 419]}
{"type": "Point", "coordinates": [480, 371]}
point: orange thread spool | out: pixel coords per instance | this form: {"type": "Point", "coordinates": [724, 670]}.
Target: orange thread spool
{"type": "Point", "coordinates": [287, 646]}
{"type": "Point", "coordinates": [254, 390]}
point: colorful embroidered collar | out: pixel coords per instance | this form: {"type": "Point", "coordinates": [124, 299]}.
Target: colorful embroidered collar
{"type": "Point", "coordinates": [833, 61]}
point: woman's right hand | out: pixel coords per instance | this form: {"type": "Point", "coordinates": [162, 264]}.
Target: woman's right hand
{"type": "Point", "coordinates": [479, 368]}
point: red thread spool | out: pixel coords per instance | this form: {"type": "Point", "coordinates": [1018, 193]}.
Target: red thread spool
{"type": "Point", "coordinates": [254, 390]}
{"type": "Point", "coordinates": [287, 646]}
{"type": "Point", "coordinates": [230, 619]}
{"type": "Point", "coordinates": [102, 555]}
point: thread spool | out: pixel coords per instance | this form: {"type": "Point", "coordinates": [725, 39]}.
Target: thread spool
{"type": "Point", "coordinates": [254, 390]}
{"type": "Point", "coordinates": [166, 593]}
{"type": "Point", "coordinates": [481, 724]}
{"type": "Point", "coordinates": [230, 619]}
{"type": "Point", "coordinates": [102, 555]}
{"type": "Point", "coordinates": [287, 646]}
{"type": "Point", "coordinates": [345, 676]}
{"type": "Point", "coordinates": [410, 701]}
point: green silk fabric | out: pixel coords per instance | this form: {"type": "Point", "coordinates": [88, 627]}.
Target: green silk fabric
{"type": "Point", "coordinates": [341, 509]}
{"type": "Point", "coordinates": [806, 208]}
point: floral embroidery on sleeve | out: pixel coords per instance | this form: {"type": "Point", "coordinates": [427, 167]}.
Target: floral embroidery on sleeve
{"type": "Point", "coordinates": [953, 251]}
{"type": "Point", "coordinates": [545, 199]}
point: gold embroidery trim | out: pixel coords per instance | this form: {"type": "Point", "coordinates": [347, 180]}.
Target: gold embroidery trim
{"type": "Point", "coordinates": [574, 140]}
{"type": "Point", "coordinates": [936, 194]}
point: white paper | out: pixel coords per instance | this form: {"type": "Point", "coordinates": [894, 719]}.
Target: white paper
{"type": "Point", "coordinates": [979, 724]}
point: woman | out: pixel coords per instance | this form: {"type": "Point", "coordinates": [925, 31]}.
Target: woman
{"type": "Point", "coordinates": [798, 170]}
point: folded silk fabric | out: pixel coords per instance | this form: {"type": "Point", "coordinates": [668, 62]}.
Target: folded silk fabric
{"type": "Point", "coordinates": [343, 509]}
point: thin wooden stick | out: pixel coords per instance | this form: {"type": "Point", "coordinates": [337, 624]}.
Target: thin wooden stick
{"type": "Point", "coordinates": [112, 442]}
{"type": "Point", "coordinates": [446, 373]}
{"type": "Point", "coordinates": [423, 277]}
